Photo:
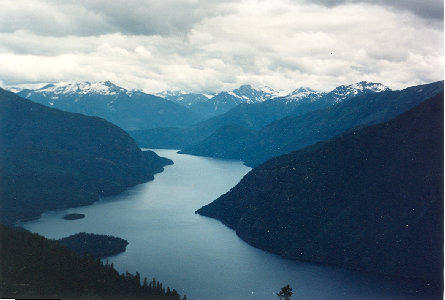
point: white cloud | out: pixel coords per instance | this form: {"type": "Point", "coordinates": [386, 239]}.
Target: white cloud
{"type": "Point", "coordinates": [202, 45]}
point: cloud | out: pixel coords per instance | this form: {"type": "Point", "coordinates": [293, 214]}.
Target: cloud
{"type": "Point", "coordinates": [85, 17]}
{"type": "Point", "coordinates": [429, 9]}
{"type": "Point", "coordinates": [199, 45]}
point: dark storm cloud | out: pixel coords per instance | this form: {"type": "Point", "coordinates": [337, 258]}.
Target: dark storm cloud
{"type": "Point", "coordinates": [428, 9]}
{"type": "Point", "coordinates": [155, 16]}
{"type": "Point", "coordinates": [84, 18]}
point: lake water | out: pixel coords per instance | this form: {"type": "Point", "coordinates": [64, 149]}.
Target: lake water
{"type": "Point", "coordinates": [199, 256]}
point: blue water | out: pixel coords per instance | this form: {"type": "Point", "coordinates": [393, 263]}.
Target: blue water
{"type": "Point", "coordinates": [199, 256]}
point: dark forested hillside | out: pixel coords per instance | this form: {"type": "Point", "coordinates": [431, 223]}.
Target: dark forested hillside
{"type": "Point", "coordinates": [34, 267]}
{"type": "Point", "coordinates": [370, 199]}
{"type": "Point", "coordinates": [297, 131]}
{"type": "Point", "coordinates": [52, 159]}
{"type": "Point", "coordinates": [228, 139]}
{"type": "Point", "coordinates": [252, 110]}
{"type": "Point", "coordinates": [249, 116]}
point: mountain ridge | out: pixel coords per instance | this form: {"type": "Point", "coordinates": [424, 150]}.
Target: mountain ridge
{"type": "Point", "coordinates": [53, 159]}
{"type": "Point", "coordinates": [252, 116]}
{"type": "Point", "coordinates": [130, 110]}
{"type": "Point", "coordinates": [370, 199]}
{"type": "Point", "coordinates": [296, 131]}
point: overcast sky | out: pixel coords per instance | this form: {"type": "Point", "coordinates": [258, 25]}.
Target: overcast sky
{"type": "Point", "coordinates": [214, 45]}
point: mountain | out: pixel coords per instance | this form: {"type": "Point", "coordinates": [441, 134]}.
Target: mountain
{"type": "Point", "coordinates": [244, 94]}
{"type": "Point", "coordinates": [338, 94]}
{"type": "Point", "coordinates": [249, 116]}
{"type": "Point", "coordinates": [34, 267]}
{"type": "Point", "coordinates": [253, 114]}
{"type": "Point", "coordinates": [184, 98]}
{"type": "Point", "coordinates": [224, 101]}
{"type": "Point", "coordinates": [343, 92]}
{"type": "Point", "coordinates": [218, 104]}
{"type": "Point", "coordinates": [50, 159]}
{"type": "Point", "coordinates": [130, 110]}
{"type": "Point", "coordinates": [299, 130]}
{"type": "Point", "coordinates": [303, 93]}
{"type": "Point", "coordinates": [251, 95]}
{"type": "Point", "coordinates": [229, 138]}
{"type": "Point", "coordinates": [370, 199]}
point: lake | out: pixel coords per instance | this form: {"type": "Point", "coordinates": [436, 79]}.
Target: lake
{"type": "Point", "coordinates": [199, 256]}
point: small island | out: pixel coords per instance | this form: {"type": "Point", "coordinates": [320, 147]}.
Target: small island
{"type": "Point", "coordinates": [94, 245]}
{"type": "Point", "coordinates": [74, 216]}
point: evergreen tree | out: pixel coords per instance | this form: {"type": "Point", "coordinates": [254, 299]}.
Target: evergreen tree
{"type": "Point", "coordinates": [285, 293]}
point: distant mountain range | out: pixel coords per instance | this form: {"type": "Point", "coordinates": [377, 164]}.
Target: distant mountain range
{"type": "Point", "coordinates": [370, 199]}
{"type": "Point", "coordinates": [249, 116]}
{"type": "Point", "coordinates": [184, 98]}
{"type": "Point", "coordinates": [50, 159]}
{"type": "Point", "coordinates": [130, 110]}
{"type": "Point", "coordinates": [253, 116]}
{"type": "Point", "coordinates": [339, 111]}
{"type": "Point", "coordinates": [210, 105]}
{"type": "Point", "coordinates": [256, 124]}
{"type": "Point", "coordinates": [213, 104]}
{"type": "Point", "coordinates": [136, 110]}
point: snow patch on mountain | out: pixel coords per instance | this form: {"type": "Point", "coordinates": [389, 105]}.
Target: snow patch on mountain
{"type": "Point", "coordinates": [304, 93]}
{"type": "Point", "coordinates": [209, 96]}
{"type": "Point", "coordinates": [14, 89]}
{"type": "Point", "coordinates": [170, 93]}
{"type": "Point", "coordinates": [251, 95]}
{"type": "Point", "coordinates": [347, 91]}
{"type": "Point", "coordinates": [99, 88]}
{"type": "Point", "coordinates": [274, 93]}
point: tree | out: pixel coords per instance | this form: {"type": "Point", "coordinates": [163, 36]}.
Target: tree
{"type": "Point", "coordinates": [285, 293]}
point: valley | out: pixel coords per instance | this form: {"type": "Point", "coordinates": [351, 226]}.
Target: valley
{"type": "Point", "coordinates": [52, 169]}
{"type": "Point", "coordinates": [199, 256]}
{"type": "Point", "coordinates": [222, 150]}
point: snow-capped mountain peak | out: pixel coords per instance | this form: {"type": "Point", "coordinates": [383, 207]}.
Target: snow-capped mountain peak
{"type": "Point", "coordinates": [82, 88]}
{"type": "Point", "coordinates": [170, 93]}
{"type": "Point", "coordinates": [304, 92]}
{"type": "Point", "coordinates": [184, 98]}
{"type": "Point", "coordinates": [347, 91]}
{"type": "Point", "coordinates": [274, 93]}
{"type": "Point", "coordinates": [14, 89]}
{"type": "Point", "coordinates": [252, 95]}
